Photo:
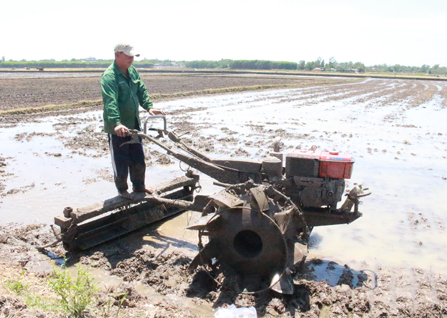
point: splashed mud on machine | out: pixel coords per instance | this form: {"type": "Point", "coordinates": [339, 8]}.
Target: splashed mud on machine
{"type": "Point", "coordinates": [258, 226]}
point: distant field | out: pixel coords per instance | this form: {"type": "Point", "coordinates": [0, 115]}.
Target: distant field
{"type": "Point", "coordinates": [37, 89]}
{"type": "Point", "coordinates": [181, 70]}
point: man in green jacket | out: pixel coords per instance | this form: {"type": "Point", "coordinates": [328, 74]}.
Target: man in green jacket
{"type": "Point", "coordinates": [123, 92]}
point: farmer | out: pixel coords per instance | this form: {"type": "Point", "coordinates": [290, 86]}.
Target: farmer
{"type": "Point", "coordinates": [123, 92]}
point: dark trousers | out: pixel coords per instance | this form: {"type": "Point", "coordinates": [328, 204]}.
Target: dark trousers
{"type": "Point", "coordinates": [125, 159]}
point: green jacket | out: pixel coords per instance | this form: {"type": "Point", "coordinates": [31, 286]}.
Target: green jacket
{"type": "Point", "coordinates": [121, 96]}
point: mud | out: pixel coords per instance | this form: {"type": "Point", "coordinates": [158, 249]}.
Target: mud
{"type": "Point", "coordinates": [380, 295]}
{"type": "Point", "coordinates": [3, 173]}
{"type": "Point", "coordinates": [32, 91]}
{"type": "Point", "coordinates": [387, 263]}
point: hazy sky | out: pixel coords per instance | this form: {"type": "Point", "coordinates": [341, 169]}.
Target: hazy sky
{"type": "Point", "coordinates": [407, 32]}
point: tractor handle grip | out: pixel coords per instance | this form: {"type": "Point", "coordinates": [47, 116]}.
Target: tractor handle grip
{"type": "Point", "coordinates": [364, 194]}
{"type": "Point", "coordinates": [153, 117]}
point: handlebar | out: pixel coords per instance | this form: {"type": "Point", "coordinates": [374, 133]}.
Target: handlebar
{"type": "Point", "coordinates": [153, 117]}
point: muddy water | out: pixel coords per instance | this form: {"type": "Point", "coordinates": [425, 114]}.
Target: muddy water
{"type": "Point", "coordinates": [398, 141]}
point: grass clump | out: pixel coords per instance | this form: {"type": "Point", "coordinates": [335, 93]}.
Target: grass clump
{"type": "Point", "coordinates": [17, 286]}
{"type": "Point", "coordinates": [106, 307]}
{"type": "Point", "coordinates": [25, 287]}
{"type": "Point", "coordinates": [60, 294]}
{"type": "Point", "coordinates": [76, 293]}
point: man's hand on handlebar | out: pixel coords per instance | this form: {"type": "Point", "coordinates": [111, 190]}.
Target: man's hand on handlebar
{"type": "Point", "coordinates": [154, 112]}
{"type": "Point", "coordinates": [121, 131]}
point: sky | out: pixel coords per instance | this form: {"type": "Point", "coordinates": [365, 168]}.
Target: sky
{"type": "Point", "coordinates": [406, 32]}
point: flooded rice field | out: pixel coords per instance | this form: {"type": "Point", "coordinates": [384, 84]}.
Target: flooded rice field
{"type": "Point", "coordinates": [395, 130]}
{"type": "Point", "coordinates": [35, 89]}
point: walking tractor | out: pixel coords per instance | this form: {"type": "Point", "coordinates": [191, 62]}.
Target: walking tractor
{"type": "Point", "coordinates": [257, 226]}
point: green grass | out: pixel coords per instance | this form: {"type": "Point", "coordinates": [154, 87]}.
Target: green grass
{"type": "Point", "coordinates": [76, 294]}
{"type": "Point", "coordinates": [67, 295]}
{"type": "Point", "coordinates": [33, 300]}
{"type": "Point", "coordinates": [49, 108]}
{"type": "Point", "coordinates": [17, 286]}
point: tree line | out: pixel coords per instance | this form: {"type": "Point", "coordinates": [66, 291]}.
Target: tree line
{"type": "Point", "coordinates": [243, 64]}
{"type": "Point", "coordinates": [317, 65]}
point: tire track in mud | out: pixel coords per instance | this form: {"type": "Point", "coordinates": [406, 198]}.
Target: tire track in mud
{"type": "Point", "coordinates": [443, 94]}
{"type": "Point", "coordinates": [324, 94]}
{"type": "Point", "coordinates": [376, 91]}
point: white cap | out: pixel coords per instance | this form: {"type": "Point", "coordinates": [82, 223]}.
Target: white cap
{"type": "Point", "coordinates": [126, 49]}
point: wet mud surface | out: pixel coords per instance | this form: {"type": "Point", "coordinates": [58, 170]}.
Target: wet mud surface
{"type": "Point", "coordinates": [390, 292]}
{"type": "Point", "coordinates": [32, 91]}
{"type": "Point", "coordinates": [389, 263]}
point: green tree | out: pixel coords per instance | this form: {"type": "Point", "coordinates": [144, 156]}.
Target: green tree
{"type": "Point", "coordinates": [397, 68]}
{"type": "Point", "coordinates": [332, 62]}
{"type": "Point", "coordinates": [310, 66]}
{"type": "Point", "coordinates": [359, 67]}
{"type": "Point", "coordinates": [346, 67]}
